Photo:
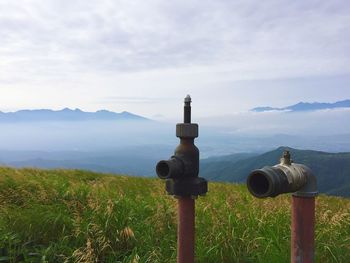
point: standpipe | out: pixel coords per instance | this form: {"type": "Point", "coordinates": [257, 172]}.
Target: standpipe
{"type": "Point", "coordinates": [182, 181]}
{"type": "Point", "coordinates": [289, 177]}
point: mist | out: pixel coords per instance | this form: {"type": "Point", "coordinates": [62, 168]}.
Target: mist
{"type": "Point", "coordinates": [239, 132]}
{"type": "Point", "coordinates": [80, 135]}
{"type": "Point", "coordinates": [319, 123]}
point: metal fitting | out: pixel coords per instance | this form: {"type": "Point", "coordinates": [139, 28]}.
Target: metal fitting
{"type": "Point", "coordinates": [182, 169]}
{"type": "Point", "coordinates": [286, 177]}
{"type": "Point", "coordinates": [170, 168]}
{"type": "Point", "coordinates": [187, 130]}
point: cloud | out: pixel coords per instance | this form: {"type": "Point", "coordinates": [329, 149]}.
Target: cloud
{"type": "Point", "coordinates": [135, 99]}
{"type": "Point", "coordinates": [136, 35]}
{"type": "Point", "coordinates": [321, 122]}
{"type": "Point", "coordinates": [73, 53]}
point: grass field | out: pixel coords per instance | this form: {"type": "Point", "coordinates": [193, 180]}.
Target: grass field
{"type": "Point", "coordinates": [80, 216]}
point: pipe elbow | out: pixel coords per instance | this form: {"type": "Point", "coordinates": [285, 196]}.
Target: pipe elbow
{"type": "Point", "coordinates": [285, 177]}
{"type": "Point", "coordinates": [309, 189]}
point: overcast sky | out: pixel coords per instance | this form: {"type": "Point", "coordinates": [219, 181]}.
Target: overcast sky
{"type": "Point", "coordinates": [145, 56]}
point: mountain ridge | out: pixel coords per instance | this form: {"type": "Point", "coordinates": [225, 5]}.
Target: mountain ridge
{"type": "Point", "coordinates": [66, 114]}
{"type": "Point", "coordinates": [331, 169]}
{"type": "Point", "coordinates": [306, 106]}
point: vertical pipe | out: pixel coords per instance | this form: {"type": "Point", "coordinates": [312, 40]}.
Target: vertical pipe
{"type": "Point", "coordinates": [185, 231]}
{"type": "Point", "coordinates": [303, 229]}
{"type": "Point", "coordinates": [187, 109]}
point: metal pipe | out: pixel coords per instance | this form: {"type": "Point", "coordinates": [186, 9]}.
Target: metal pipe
{"type": "Point", "coordinates": [186, 230]}
{"type": "Point", "coordinates": [303, 229]}
{"type": "Point", "coordinates": [285, 177]}
{"type": "Point", "coordinates": [288, 177]}
{"type": "Point", "coordinates": [186, 205]}
{"type": "Point", "coordinates": [169, 168]}
{"type": "Point", "coordinates": [182, 181]}
{"type": "Point", "coordinates": [187, 109]}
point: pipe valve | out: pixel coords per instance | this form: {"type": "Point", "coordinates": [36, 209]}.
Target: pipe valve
{"type": "Point", "coordinates": [182, 169]}
{"type": "Point", "coordinates": [285, 177]}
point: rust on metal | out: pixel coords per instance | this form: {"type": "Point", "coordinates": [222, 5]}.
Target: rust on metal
{"type": "Point", "coordinates": [186, 230]}
{"type": "Point", "coordinates": [303, 230]}
{"type": "Point", "coordinates": [181, 175]}
{"type": "Point", "coordinates": [285, 177]}
{"type": "Point", "coordinates": [289, 177]}
{"type": "Point", "coordinates": [181, 171]}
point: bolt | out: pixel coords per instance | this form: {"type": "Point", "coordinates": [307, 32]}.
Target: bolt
{"type": "Point", "coordinates": [286, 158]}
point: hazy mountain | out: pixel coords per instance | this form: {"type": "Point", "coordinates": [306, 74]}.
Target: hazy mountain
{"type": "Point", "coordinates": [332, 169]}
{"type": "Point", "coordinates": [305, 106]}
{"type": "Point", "coordinates": [65, 115]}
{"type": "Point", "coordinates": [132, 160]}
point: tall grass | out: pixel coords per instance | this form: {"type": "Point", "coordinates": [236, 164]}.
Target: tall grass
{"type": "Point", "coordinates": [80, 216]}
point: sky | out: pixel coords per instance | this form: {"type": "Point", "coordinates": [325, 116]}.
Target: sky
{"type": "Point", "coordinates": [146, 56]}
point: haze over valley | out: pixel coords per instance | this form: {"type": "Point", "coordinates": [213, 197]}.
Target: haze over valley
{"type": "Point", "coordinates": [126, 143]}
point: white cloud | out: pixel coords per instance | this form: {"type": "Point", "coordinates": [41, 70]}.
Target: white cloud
{"type": "Point", "coordinates": [321, 122]}
{"type": "Point", "coordinates": [75, 53]}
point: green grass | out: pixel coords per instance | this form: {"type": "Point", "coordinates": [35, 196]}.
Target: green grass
{"type": "Point", "coordinates": [80, 216]}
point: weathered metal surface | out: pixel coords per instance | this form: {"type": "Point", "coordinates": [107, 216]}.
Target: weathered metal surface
{"type": "Point", "coordinates": [182, 181]}
{"type": "Point", "coordinates": [186, 230]}
{"type": "Point", "coordinates": [181, 170]}
{"type": "Point", "coordinates": [286, 177]}
{"type": "Point", "coordinates": [187, 130]}
{"type": "Point", "coordinates": [303, 230]}
{"type": "Point", "coordinates": [187, 109]}
{"type": "Point", "coordinates": [187, 187]}
{"type": "Point", "coordinates": [289, 177]}
{"type": "Point", "coordinates": [171, 168]}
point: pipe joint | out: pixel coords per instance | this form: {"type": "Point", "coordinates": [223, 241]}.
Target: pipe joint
{"type": "Point", "coordinates": [309, 189]}
{"type": "Point", "coordinates": [172, 168]}
{"type": "Point", "coordinates": [182, 169]}
{"type": "Point", "coordinates": [187, 130]}
{"type": "Point", "coordinates": [286, 177]}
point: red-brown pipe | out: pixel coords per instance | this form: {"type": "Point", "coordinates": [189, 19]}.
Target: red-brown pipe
{"type": "Point", "coordinates": [185, 231]}
{"type": "Point", "coordinates": [303, 229]}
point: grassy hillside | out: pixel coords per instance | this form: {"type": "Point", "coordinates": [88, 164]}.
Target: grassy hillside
{"type": "Point", "coordinates": [79, 216]}
{"type": "Point", "coordinates": [331, 169]}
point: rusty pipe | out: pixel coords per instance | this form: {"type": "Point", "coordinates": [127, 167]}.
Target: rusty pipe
{"type": "Point", "coordinates": [303, 230]}
{"type": "Point", "coordinates": [288, 177]}
{"type": "Point", "coordinates": [181, 174]}
{"type": "Point", "coordinates": [186, 230]}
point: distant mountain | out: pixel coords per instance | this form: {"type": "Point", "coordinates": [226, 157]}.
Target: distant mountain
{"type": "Point", "coordinates": [133, 160]}
{"type": "Point", "coordinates": [65, 115]}
{"type": "Point", "coordinates": [332, 169]}
{"type": "Point", "coordinates": [305, 106]}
